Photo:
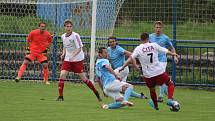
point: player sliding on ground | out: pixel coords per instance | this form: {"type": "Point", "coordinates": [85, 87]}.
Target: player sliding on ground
{"type": "Point", "coordinates": [73, 57]}
{"type": "Point", "coordinates": [153, 72]}
{"type": "Point", "coordinates": [110, 82]}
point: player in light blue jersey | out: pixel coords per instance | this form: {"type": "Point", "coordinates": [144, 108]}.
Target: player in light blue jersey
{"type": "Point", "coordinates": [164, 41]}
{"type": "Point", "coordinates": [117, 56]}
{"type": "Point", "coordinates": [110, 82]}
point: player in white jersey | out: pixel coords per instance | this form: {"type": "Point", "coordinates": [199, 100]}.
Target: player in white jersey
{"type": "Point", "coordinates": [153, 71]}
{"type": "Point", "coordinates": [73, 57]}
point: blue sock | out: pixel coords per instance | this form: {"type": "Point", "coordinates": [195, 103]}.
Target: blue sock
{"type": "Point", "coordinates": [127, 93]}
{"type": "Point", "coordinates": [114, 105]}
{"type": "Point", "coordinates": [165, 89]}
{"type": "Point", "coordinates": [151, 103]}
{"type": "Point", "coordinates": [169, 102]}
{"type": "Point", "coordinates": [135, 94]}
{"type": "Point", "coordinates": [162, 91]}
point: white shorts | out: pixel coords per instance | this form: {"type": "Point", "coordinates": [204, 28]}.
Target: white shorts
{"type": "Point", "coordinates": [114, 88]}
{"type": "Point", "coordinates": [123, 74]}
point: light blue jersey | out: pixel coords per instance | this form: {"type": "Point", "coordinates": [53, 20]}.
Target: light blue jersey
{"type": "Point", "coordinates": [103, 73]}
{"type": "Point", "coordinates": [163, 41]}
{"type": "Point", "coordinates": [116, 56]}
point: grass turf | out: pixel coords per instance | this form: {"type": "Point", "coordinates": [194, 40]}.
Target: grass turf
{"type": "Point", "coordinates": [32, 101]}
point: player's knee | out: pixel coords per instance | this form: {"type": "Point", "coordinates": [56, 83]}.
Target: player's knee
{"type": "Point", "coordinates": [168, 82]}
{"type": "Point", "coordinates": [26, 61]}
{"type": "Point", "coordinates": [124, 87]}
{"type": "Point", "coordinates": [63, 75]}
{"type": "Point", "coordinates": [45, 66]}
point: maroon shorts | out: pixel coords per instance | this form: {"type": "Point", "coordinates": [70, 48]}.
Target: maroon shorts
{"type": "Point", "coordinates": [76, 67]}
{"type": "Point", "coordinates": [157, 80]}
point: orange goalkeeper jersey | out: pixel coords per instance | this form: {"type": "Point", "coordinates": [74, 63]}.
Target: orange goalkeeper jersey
{"type": "Point", "coordinates": [38, 42]}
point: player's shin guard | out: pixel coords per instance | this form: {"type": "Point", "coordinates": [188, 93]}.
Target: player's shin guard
{"type": "Point", "coordinates": [170, 90]}
{"type": "Point", "coordinates": [162, 88]}
{"type": "Point", "coordinates": [127, 94]}
{"type": "Point", "coordinates": [154, 98]}
{"type": "Point", "coordinates": [45, 73]}
{"type": "Point", "coordinates": [60, 87]}
{"type": "Point", "coordinates": [22, 70]}
{"type": "Point", "coordinates": [92, 87]}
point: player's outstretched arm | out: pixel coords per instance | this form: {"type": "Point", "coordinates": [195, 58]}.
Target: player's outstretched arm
{"type": "Point", "coordinates": [112, 72]}
{"type": "Point", "coordinates": [172, 53]}
{"type": "Point", "coordinates": [129, 60]}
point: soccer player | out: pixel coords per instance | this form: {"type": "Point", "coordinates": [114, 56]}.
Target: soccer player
{"type": "Point", "coordinates": [110, 81]}
{"type": "Point", "coordinates": [38, 41]}
{"type": "Point", "coordinates": [73, 57]}
{"type": "Point", "coordinates": [153, 71]}
{"type": "Point", "coordinates": [117, 55]}
{"type": "Point", "coordinates": [163, 41]}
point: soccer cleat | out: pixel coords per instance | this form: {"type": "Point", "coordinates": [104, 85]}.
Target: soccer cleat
{"type": "Point", "coordinates": [151, 103]}
{"type": "Point", "coordinates": [127, 103]}
{"type": "Point", "coordinates": [160, 99]}
{"type": "Point", "coordinates": [60, 98]}
{"type": "Point", "coordinates": [46, 82]}
{"type": "Point", "coordinates": [104, 106]}
{"type": "Point", "coordinates": [143, 96]}
{"type": "Point", "coordinates": [17, 79]}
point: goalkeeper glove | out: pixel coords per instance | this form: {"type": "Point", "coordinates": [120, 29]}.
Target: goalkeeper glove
{"type": "Point", "coordinates": [27, 50]}
{"type": "Point", "coordinates": [45, 51]}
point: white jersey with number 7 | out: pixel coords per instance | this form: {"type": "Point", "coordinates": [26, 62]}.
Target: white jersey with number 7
{"type": "Point", "coordinates": [147, 54]}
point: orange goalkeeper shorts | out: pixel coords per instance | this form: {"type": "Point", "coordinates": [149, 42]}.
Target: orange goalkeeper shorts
{"type": "Point", "coordinates": [39, 57]}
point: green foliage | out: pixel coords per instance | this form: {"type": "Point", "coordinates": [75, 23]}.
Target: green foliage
{"type": "Point", "coordinates": [201, 11]}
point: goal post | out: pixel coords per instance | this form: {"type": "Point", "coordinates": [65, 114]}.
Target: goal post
{"type": "Point", "coordinates": [93, 41]}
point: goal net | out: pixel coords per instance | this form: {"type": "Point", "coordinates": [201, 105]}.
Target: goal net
{"type": "Point", "coordinates": [19, 17]}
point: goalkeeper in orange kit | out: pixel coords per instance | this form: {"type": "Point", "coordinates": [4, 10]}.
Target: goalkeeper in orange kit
{"type": "Point", "coordinates": [38, 41]}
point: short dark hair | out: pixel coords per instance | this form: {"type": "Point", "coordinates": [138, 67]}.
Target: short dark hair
{"type": "Point", "coordinates": [101, 50]}
{"type": "Point", "coordinates": [67, 21]}
{"type": "Point", "coordinates": [111, 37]}
{"type": "Point", "coordinates": [144, 36]}
{"type": "Point", "coordinates": [41, 23]}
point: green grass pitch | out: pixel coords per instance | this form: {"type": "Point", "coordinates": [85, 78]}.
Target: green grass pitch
{"type": "Point", "coordinates": [32, 101]}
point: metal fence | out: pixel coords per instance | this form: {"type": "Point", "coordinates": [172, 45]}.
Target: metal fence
{"type": "Point", "coordinates": [196, 65]}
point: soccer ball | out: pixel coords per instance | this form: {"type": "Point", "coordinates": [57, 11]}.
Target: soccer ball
{"type": "Point", "coordinates": [175, 107]}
